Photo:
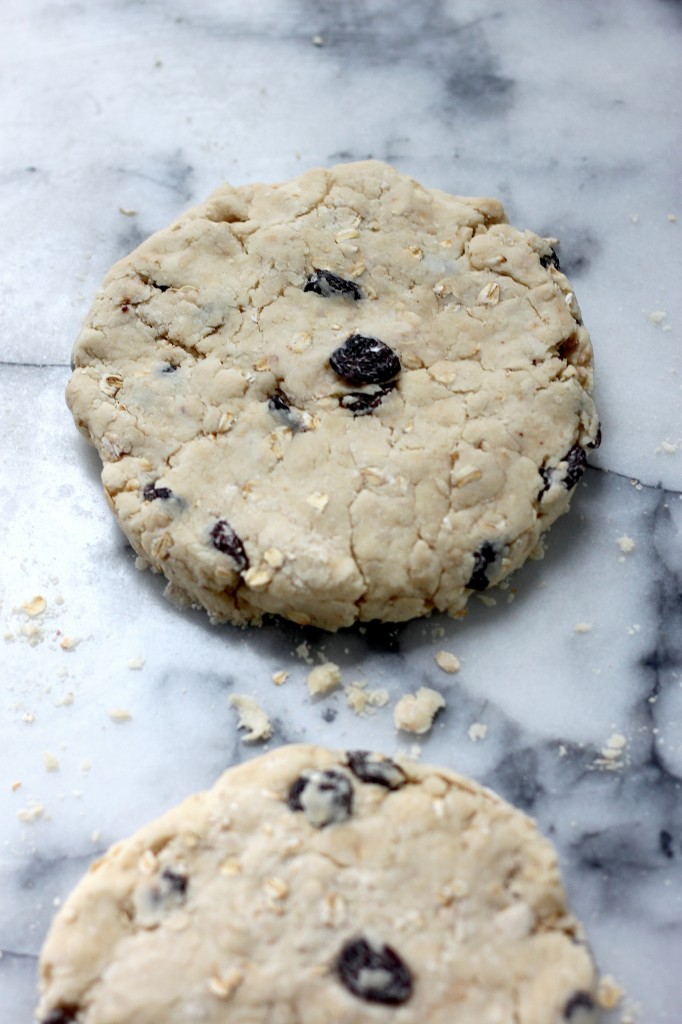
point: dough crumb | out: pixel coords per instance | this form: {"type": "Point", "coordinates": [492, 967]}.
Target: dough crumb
{"type": "Point", "coordinates": [667, 448]}
{"type": "Point", "coordinates": [323, 678]}
{"type": "Point", "coordinates": [31, 814]}
{"type": "Point", "coordinates": [69, 643]}
{"type": "Point", "coordinates": [447, 661]}
{"type": "Point", "coordinates": [611, 755]}
{"type": "Point", "coordinates": [303, 651]}
{"type": "Point", "coordinates": [251, 718]}
{"type": "Point", "coordinates": [119, 714]}
{"type": "Point", "coordinates": [583, 627]}
{"type": "Point", "coordinates": [477, 731]}
{"type": "Point", "coordinates": [363, 700]}
{"type": "Point", "coordinates": [36, 606]}
{"type": "Point", "coordinates": [136, 663]}
{"type": "Point", "coordinates": [609, 992]}
{"type": "Point", "coordinates": [50, 762]}
{"type": "Point", "coordinates": [657, 315]}
{"type": "Point", "coordinates": [626, 544]}
{"type": "Point", "coordinates": [415, 712]}
{"type": "Point", "coordinates": [280, 677]}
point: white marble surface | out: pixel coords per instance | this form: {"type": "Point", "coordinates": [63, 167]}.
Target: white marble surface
{"type": "Point", "coordinates": [570, 113]}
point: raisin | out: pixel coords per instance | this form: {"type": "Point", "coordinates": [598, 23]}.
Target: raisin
{"type": "Point", "coordinates": [551, 258]}
{"type": "Point", "coordinates": [280, 407]}
{"type": "Point", "coordinates": [374, 973]}
{"type": "Point", "coordinates": [64, 1014]}
{"type": "Point", "coordinates": [576, 461]}
{"type": "Point", "coordinates": [151, 493]}
{"type": "Point", "coordinates": [324, 283]}
{"type": "Point", "coordinates": [325, 797]}
{"type": "Point", "coordinates": [597, 439]}
{"type": "Point", "coordinates": [226, 540]}
{"type": "Point", "coordinates": [580, 1009]}
{"type": "Point", "coordinates": [362, 360]}
{"type": "Point", "coordinates": [160, 287]}
{"type": "Point", "coordinates": [482, 559]}
{"type": "Point", "coordinates": [174, 881]}
{"type": "Point", "coordinates": [360, 403]}
{"type": "Point", "coordinates": [375, 768]}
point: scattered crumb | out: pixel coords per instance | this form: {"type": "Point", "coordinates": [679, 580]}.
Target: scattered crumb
{"type": "Point", "coordinates": [122, 209]}
{"type": "Point", "coordinates": [361, 699]}
{"type": "Point", "coordinates": [136, 663]}
{"type": "Point", "coordinates": [95, 836]}
{"type": "Point", "coordinates": [15, 785]}
{"type": "Point", "coordinates": [447, 662]}
{"type": "Point", "coordinates": [303, 651]}
{"type": "Point", "coordinates": [626, 544]}
{"type": "Point", "coordinates": [672, 217]}
{"type": "Point", "coordinates": [50, 762]}
{"type": "Point", "coordinates": [477, 731]}
{"type": "Point", "coordinates": [583, 627]}
{"type": "Point", "coordinates": [66, 701]}
{"type": "Point", "coordinates": [612, 753]}
{"type": "Point", "coordinates": [252, 718]}
{"type": "Point", "coordinates": [280, 677]}
{"type": "Point", "coordinates": [487, 600]}
{"type": "Point", "coordinates": [31, 814]}
{"type": "Point", "coordinates": [609, 992]}
{"type": "Point", "coordinates": [415, 712]}
{"type": "Point", "coordinates": [28, 717]}
{"type": "Point", "coordinates": [119, 714]}
{"type": "Point", "coordinates": [657, 315]}
{"type": "Point", "coordinates": [634, 217]}
{"type": "Point", "coordinates": [634, 629]}
{"type": "Point", "coordinates": [666, 327]}
{"type": "Point", "coordinates": [85, 767]}
{"type": "Point", "coordinates": [69, 643]}
{"type": "Point", "coordinates": [36, 606]}
{"type": "Point", "coordinates": [667, 448]}
{"type": "Point", "coordinates": [318, 40]}
{"type": "Point", "coordinates": [323, 678]}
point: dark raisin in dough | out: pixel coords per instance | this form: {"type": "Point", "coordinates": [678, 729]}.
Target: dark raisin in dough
{"type": "Point", "coordinates": [485, 555]}
{"type": "Point", "coordinates": [62, 1015]}
{"type": "Point", "coordinates": [597, 439]}
{"type": "Point", "coordinates": [362, 360]}
{"type": "Point", "coordinates": [360, 403]}
{"type": "Point", "coordinates": [169, 368]}
{"type": "Point", "coordinates": [324, 283]}
{"type": "Point", "coordinates": [374, 973]}
{"type": "Point", "coordinates": [280, 407]}
{"type": "Point", "coordinates": [580, 1009]}
{"type": "Point", "coordinates": [226, 540]}
{"type": "Point", "coordinates": [174, 881]}
{"type": "Point", "coordinates": [576, 463]}
{"type": "Point", "coordinates": [370, 767]}
{"type": "Point", "coordinates": [151, 493]}
{"type": "Point", "coordinates": [325, 797]}
{"type": "Point", "coordinates": [551, 258]}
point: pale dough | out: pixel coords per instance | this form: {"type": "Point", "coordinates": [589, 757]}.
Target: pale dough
{"type": "Point", "coordinates": [316, 887]}
{"type": "Point", "coordinates": [346, 397]}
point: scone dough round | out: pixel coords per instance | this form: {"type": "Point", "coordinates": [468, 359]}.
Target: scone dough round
{"type": "Point", "coordinates": [317, 887]}
{"type": "Point", "coordinates": [266, 461]}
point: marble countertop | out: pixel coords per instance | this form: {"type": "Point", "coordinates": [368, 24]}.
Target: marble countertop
{"type": "Point", "coordinates": [117, 116]}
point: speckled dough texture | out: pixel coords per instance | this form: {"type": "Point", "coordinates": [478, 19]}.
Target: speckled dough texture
{"type": "Point", "coordinates": [260, 477]}
{"type": "Point", "coordinates": [316, 887]}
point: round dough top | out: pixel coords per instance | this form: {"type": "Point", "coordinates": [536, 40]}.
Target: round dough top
{"type": "Point", "coordinates": [316, 887]}
{"type": "Point", "coordinates": [345, 397]}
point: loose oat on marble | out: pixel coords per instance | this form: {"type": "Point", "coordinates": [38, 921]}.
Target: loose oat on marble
{"type": "Point", "coordinates": [323, 887]}
{"type": "Point", "coordinates": [345, 397]}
